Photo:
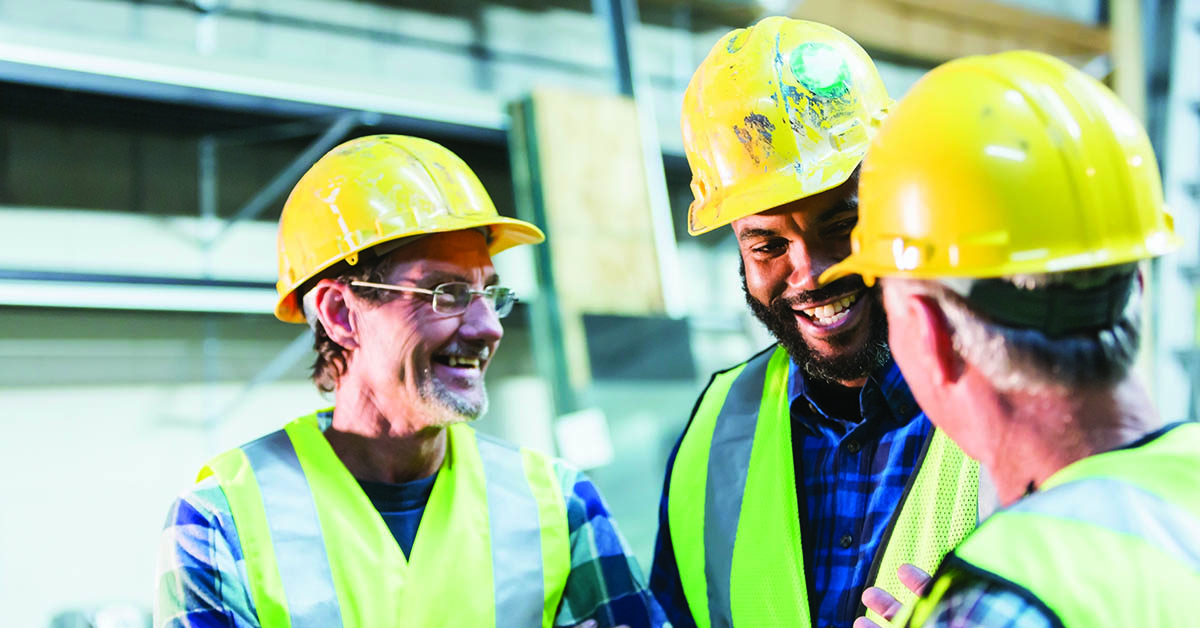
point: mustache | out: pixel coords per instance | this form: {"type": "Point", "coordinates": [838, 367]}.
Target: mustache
{"type": "Point", "coordinates": [845, 285]}
{"type": "Point", "coordinates": [466, 350]}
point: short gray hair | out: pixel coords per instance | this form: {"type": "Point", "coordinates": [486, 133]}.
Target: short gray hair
{"type": "Point", "coordinates": [1015, 358]}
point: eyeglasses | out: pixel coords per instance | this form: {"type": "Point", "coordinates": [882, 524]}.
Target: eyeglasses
{"type": "Point", "coordinates": [454, 297]}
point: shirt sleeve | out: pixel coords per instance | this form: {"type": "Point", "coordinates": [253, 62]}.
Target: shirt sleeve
{"type": "Point", "coordinates": [984, 604]}
{"type": "Point", "coordinates": [201, 576]}
{"type": "Point", "coordinates": [665, 582]}
{"type": "Point", "coordinates": [605, 584]}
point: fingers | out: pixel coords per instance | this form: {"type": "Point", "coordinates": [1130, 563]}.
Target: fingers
{"type": "Point", "coordinates": [881, 602]}
{"type": "Point", "coordinates": [914, 578]}
{"type": "Point", "coordinates": [863, 622]}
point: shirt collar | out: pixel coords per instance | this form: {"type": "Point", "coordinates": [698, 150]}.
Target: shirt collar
{"type": "Point", "coordinates": [886, 383]}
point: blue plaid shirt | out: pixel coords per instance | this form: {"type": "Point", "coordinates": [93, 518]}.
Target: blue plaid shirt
{"type": "Point", "coordinates": [851, 475]}
{"type": "Point", "coordinates": [982, 604]}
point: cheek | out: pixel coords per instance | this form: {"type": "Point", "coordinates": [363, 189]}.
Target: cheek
{"type": "Point", "coordinates": [766, 280]}
{"type": "Point", "coordinates": [839, 248]}
{"type": "Point", "coordinates": [394, 334]}
{"type": "Point", "coordinates": [904, 346]}
{"type": "Point", "coordinates": [429, 334]}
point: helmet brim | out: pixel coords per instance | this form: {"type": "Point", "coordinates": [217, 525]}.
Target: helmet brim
{"type": "Point", "coordinates": [504, 233]}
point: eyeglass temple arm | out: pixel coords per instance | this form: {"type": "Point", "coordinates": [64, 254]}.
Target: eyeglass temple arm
{"type": "Point", "coordinates": [386, 286]}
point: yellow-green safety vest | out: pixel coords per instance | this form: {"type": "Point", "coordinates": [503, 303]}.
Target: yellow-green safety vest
{"type": "Point", "coordinates": [492, 548]}
{"type": "Point", "coordinates": [1112, 540]}
{"type": "Point", "coordinates": [734, 519]}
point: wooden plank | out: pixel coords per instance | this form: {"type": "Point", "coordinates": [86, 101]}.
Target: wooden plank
{"type": "Point", "coordinates": [1129, 67]}
{"type": "Point", "coordinates": [597, 202]}
{"type": "Point", "coordinates": [587, 177]}
{"type": "Point", "coordinates": [934, 31]}
{"type": "Point", "coordinates": [981, 14]}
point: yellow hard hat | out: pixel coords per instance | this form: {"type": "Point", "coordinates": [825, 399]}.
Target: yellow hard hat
{"type": "Point", "coordinates": [1007, 164]}
{"type": "Point", "coordinates": [776, 112]}
{"type": "Point", "coordinates": [377, 189]}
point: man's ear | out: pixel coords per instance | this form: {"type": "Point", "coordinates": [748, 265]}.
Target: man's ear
{"type": "Point", "coordinates": [334, 313]}
{"type": "Point", "coordinates": [936, 337]}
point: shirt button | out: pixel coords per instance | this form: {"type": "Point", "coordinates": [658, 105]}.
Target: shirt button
{"type": "Point", "coordinates": [853, 447]}
{"type": "Point", "coordinates": [904, 408]}
{"type": "Point", "coordinates": [847, 541]}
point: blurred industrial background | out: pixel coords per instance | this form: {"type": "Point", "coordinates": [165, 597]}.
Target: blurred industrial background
{"type": "Point", "coordinates": [146, 147]}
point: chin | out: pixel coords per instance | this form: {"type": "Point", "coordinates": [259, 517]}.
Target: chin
{"type": "Point", "coordinates": [445, 407]}
{"type": "Point", "coordinates": [852, 341]}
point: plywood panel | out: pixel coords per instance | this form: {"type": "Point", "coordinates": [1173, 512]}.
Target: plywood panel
{"type": "Point", "coordinates": [596, 202]}
{"type": "Point", "coordinates": [579, 172]}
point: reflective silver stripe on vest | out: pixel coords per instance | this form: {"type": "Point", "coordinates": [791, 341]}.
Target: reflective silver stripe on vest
{"type": "Point", "coordinates": [516, 536]}
{"type": "Point", "coordinates": [295, 532]}
{"type": "Point", "coordinates": [728, 463]}
{"type": "Point", "coordinates": [1125, 508]}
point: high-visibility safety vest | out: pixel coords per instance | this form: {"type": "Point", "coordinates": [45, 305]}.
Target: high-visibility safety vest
{"type": "Point", "coordinates": [1110, 540]}
{"type": "Point", "coordinates": [733, 513]}
{"type": "Point", "coordinates": [492, 548]}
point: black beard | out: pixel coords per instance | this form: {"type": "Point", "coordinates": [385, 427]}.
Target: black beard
{"type": "Point", "coordinates": [844, 366]}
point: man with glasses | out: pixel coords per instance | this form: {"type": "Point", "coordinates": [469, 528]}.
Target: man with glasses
{"type": "Point", "coordinates": [387, 510]}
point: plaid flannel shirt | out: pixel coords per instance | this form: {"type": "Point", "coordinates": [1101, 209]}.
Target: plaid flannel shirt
{"type": "Point", "coordinates": [981, 604]}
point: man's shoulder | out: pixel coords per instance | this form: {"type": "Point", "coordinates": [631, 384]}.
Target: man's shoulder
{"type": "Point", "coordinates": [202, 502]}
{"type": "Point", "coordinates": [200, 525]}
{"type": "Point", "coordinates": [989, 604]}
{"type": "Point", "coordinates": [566, 473]}
{"type": "Point", "coordinates": [765, 352]}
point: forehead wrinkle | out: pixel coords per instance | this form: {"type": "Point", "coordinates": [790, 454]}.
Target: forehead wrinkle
{"type": "Point", "coordinates": [425, 273]}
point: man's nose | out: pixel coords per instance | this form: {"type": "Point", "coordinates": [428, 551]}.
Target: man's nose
{"type": "Point", "coordinates": [805, 271]}
{"type": "Point", "coordinates": [480, 321]}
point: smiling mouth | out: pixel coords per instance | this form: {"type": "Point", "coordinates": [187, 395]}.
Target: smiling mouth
{"type": "Point", "coordinates": [831, 313]}
{"type": "Point", "coordinates": [461, 361]}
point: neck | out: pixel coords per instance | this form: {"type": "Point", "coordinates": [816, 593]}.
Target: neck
{"type": "Point", "coordinates": [840, 399]}
{"type": "Point", "coordinates": [1045, 431]}
{"type": "Point", "coordinates": [381, 443]}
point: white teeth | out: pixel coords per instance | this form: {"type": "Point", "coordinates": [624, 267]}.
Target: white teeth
{"type": "Point", "coordinates": [828, 313]}
{"type": "Point", "coordinates": [831, 319]}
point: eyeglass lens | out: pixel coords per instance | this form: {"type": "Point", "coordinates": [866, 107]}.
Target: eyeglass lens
{"type": "Point", "coordinates": [455, 297]}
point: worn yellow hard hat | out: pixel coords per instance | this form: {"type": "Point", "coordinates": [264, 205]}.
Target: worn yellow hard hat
{"type": "Point", "coordinates": [377, 189]}
{"type": "Point", "coordinates": [776, 112]}
{"type": "Point", "coordinates": [1007, 164]}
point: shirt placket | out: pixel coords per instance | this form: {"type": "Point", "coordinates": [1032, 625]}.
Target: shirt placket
{"type": "Point", "coordinates": [852, 485]}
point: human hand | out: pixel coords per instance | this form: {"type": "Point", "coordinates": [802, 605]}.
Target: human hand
{"type": "Point", "coordinates": [884, 604]}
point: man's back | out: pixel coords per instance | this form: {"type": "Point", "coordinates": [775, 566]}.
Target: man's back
{"type": "Point", "coordinates": [1111, 540]}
